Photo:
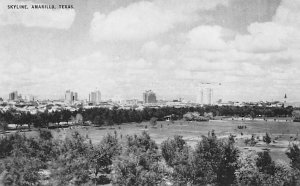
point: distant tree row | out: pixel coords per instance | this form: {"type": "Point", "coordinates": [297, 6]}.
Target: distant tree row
{"type": "Point", "coordinates": [105, 116]}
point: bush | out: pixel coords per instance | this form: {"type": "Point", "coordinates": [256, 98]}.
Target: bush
{"type": "Point", "coordinates": [214, 161]}
{"type": "Point", "coordinates": [45, 134]}
{"type": "Point", "coordinates": [264, 163]}
{"type": "Point", "coordinates": [153, 121]}
{"type": "Point", "coordinates": [139, 163]}
{"type": "Point", "coordinates": [267, 139]}
{"type": "Point", "coordinates": [102, 156]}
{"type": "Point", "coordinates": [21, 171]}
{"type": "Point", "coordinates": [253, 169]}
{"type": "Point", "coordinates": [171, 149]}
{"type": "Point", "coordinates": [294, 154]}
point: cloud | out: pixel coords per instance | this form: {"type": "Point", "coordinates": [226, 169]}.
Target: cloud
{"type": "Point", "coordinates": [143, 20]}
{"type": "Point", "coordinates": [207, 38]}
{"type": "Point", "coordinates": [264, 37]}
{"type": "Point", "coordinates": [280, 34]}
{"type": "Point", "coordinates": [137, 21]}
{"type": "Point", "coordinates": [44, 18]}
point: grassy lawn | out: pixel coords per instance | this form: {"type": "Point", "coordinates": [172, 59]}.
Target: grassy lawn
{"type": "Point", "coordinates": [192, 132]}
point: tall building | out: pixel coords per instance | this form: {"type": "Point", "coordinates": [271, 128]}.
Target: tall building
{"type": "Point", "coordinates": [149, 97]}
{"type": "Point", "coordinates": [95, 97]}
{"type": "Point", "coordinates": [71, 96]}
{"type": "Point", "coordinates": [209, 96]}
{"type": "Point", "coordinates": [205, 97]}
{"type": "Point", "coordinates": [13, 96]}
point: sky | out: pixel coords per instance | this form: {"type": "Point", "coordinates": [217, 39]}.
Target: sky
{"type": "Point", "coordinates": [248, 50]}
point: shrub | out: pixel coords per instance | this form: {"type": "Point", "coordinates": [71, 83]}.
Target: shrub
{"type": "Point", "coordinates": [214, 161]}
{"type": "Point", "coordinates": [139, 164]}
{"type": "Point", "coordinates": [264, 163]}
{"type": "Point", "coordinates": [153, 121]}
{"type": "Point", "coordinates": [267, 139]}
{"type": "Point", "coordinates": [171, 149]}
{"type": "Point", "coordinates": [102, 156]}
{"type": "Point", "coordinates": [293, 154]}
{"type": "Point", "coordinates": [21, 171]}
{"type": "Point", "coordinates": [45, 134]}
{"type": "Point", "coordinates": [253, 169]}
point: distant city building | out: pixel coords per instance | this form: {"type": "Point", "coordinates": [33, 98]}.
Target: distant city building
{"type": "Point", "coordinates": [285, 98]}
{"type": "Point", "coordinates": [130, 102]}
{"type": "Point", "coordinates": [28, 98]}
{"type": "Point", "coordinates": [149, 97]}
{"type": "Point", "coordinates": [205, 97]}
{"type": "Point", "coordinates": [71, 97]}
{"type": "Point", "coordinates": [95, 97]}
{"type": "Point", "coordinates": [13, 96]}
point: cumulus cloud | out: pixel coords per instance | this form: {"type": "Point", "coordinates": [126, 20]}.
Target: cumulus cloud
{"type": "Point", "coordinates": [206, 38]}
{"type": "Point", "coordinates": [264, 37]}
{"type": "Point", "coordinates": [44, 18]}
{"type": "Point", "coordinates": [137, 21]}
{"type": "Point", "coordinates": [145, 19]}
{"type": "Point", "coordinates": [280, 34]}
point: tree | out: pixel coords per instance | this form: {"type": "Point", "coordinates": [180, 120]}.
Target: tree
{"type": "Point", "coordinates": [102, 156]}
{"type": "Point", "coordinates": [293, 154]}
{"type": "Point", "coordinates": [267, 139]}
{"type": "Point", "coordinates": [172, 148]}
{"type": "Point", "coordinates": [139, 163]}
{"type": "Point", "coordinates": [264, 163]}
{"type": "Point", "coordinates": [214, 161]}
{"type": "Point", "coordinates": [3, 126]}
{"type": "Point", "coordinates": [98, 121]}
{"type": "Point", "coordinates": [153, 121]}
{"type": "Point", "coordinates": [46, 134]}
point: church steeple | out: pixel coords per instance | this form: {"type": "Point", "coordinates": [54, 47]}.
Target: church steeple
{"type": "Point", "coordinates": [285, 97]}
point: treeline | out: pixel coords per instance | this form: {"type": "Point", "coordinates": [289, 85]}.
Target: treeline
{"type": "Point", "coordinates": [139, 161]}
{"type": "Point", "coordinates": [105, 116]}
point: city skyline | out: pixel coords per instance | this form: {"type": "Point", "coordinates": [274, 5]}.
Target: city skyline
{"type": "Point", "coordinates": [122, 48]}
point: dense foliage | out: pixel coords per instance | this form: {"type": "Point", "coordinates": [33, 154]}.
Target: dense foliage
{"type": "Point", "coordinates": [75, 160]}
{"type": "Point", "coordinates": [105, 116]}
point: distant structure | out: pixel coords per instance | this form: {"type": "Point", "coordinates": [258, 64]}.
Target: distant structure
{"type": "Point", "coordinates": [95, 97]}
{"type": "Point", "coordinates": [71, 97]}
{"type": "Point", "coordinates": [149, 97]}
{"type": "Point", "coordinates": [285, 98]}
{"type": "Point", "coordinates": [13, 96]}
{"type": "Point", "coordinates": [29, 98]}
{"type": "Point", "coordinates": [205, 97]}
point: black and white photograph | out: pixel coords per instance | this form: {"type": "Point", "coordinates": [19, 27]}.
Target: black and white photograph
{"type": "Point", "coordinates": [149, 92]}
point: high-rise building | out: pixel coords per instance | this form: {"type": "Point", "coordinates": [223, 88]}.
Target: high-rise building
{"type": "Point", "coordinates": [13, 95]}
{"type": "Point", "coordinates": [205, 97]}
{"type": "Point", "coordinates": [149, 97]}
{"type": "Point", "coordinates": [209, 96]}
{"type": "Point", "coordinates": [70, 96]}
{"type": "Point", "coordinates": [95, 97]}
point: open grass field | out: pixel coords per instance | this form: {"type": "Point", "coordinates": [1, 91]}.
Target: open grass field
{"type": "Point", "coordinates": [284, 132]}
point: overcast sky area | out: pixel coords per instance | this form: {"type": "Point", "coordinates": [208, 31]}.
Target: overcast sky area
{"type": "Point", "coordinates": [124, 47]}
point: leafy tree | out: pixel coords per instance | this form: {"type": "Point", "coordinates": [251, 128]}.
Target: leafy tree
{"type": "Point", "coordinates": [139, 164]}
{"type": "Point", "coordinates": [172, 148]}
{"type": "Point", "coordinates": [21, 171]}
{"type": "Point", "coordinates": [264, 163]}
{"type": "Point", "coordinates": [3, 126]}
{"type": "Point", "coordinates": [102, 156]}
{"type": "Point", "coordinates": [293, 154]}
{"type": "Point", "coordinates": [98, 121]}
{"type": "Point", "coordinates": [267, 139]}
{"type": "Point", "coordinates": [46, 134]}
{"type": "Point", "coordinates": [214, 161]}
{"type": "Point", "coordinates": [153, 121]}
